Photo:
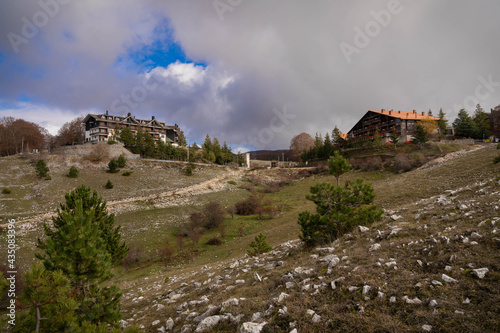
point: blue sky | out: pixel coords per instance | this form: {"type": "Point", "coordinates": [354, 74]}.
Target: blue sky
{"type": "Point", "coordinates": [254, 75]}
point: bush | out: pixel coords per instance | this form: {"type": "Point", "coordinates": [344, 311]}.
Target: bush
{"type": "Point", "coordinates": [259, 246]}
{"type": "Point", "coordinates": [214, 215]}
{"type": "Point", "coordinates": [498, 146]}
{"type": "Point", "coordinates": [109, 184]}
{"type": "Point", "coordinates": [98, 152]}
{"type": "Point", "coordinates": [122, 162]}
{"type": "Point", "coordinates": [402, 163]}
{"type": "Point", "coordinates": [232, 210]}
{"type": "Point", "coordinates": [112, 142]}
{"type": "Point", "coordinates": [134, 256]}
{"type": "Point", "coordinates": [73, 172]}
{"type": "Point", "coordinates": [6, 191]}
{"type": "Point", "coordinates": [339, 209]}
{"type": "Point", "coordinates": [164, 252]}
{"type": "Point", "coordinates": [195, 224]}
{"type": "Point", "coordinates": [113, 166]}
{"type": "Point", "coordinates": [496, 160]}
{"type": "Point", "coordinates": [214, 241]}
{"type": "Point", "coordinates": [231, 182]}
{"type": "Point", "coordinates": [189, 171]}
{"type": "Point", "coordinates": [48, 177]}
{"type": "Point", "coordinates": [42, 170]}
{"type": "Point", "coordinates": [248, 206]}
{"type": "Point", "coordinates": [127, 173]}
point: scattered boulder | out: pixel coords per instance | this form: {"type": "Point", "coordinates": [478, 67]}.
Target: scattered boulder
{"type": "Point", "coordinates": [250, 327]}
{"type": "Point", "coordinates": [480, 272]}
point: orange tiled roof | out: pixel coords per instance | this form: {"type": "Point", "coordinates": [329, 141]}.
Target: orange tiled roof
{"type": "Point", "coordinates": [405, 114]}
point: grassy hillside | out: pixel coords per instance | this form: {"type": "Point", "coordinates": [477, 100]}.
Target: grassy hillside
{"type": "Point", "coordinates": [437, 211]}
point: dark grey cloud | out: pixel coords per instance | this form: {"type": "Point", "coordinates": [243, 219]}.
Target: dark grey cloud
{"type": "Point", "coordinates": [264, 59]}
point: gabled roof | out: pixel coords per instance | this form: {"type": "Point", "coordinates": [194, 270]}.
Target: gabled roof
{"type": "Point", "coordinates": [405, 114]}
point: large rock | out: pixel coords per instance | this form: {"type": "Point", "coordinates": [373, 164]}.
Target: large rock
{"type": "Point", "coordinates": [480, 272]}
{"type": "Point", "coordinates": [250, 327]}
{"type": "Point", "coordinates": [208, 323]}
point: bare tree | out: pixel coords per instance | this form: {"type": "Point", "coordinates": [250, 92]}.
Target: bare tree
{"type": "Point", "coordinates": [72, 132]}
{"type": "Point", "coordinates": [299, 144]}
{"type": "Point", "coordinates": [18, 135]}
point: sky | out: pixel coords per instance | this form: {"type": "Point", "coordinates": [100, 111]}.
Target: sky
{"type": "Point", "coordinates": [253, 73]}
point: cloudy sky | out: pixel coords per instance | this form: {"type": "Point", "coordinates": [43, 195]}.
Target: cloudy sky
{"type": "Point", "coordinates": [253, 73]}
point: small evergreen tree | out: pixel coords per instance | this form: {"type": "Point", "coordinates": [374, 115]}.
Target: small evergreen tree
{"type": "Point", "coordinates": [121, 162]}
{"type": "Point", "coordinates": [149, 145]}
{"type": "Point", "coordinates": [463, 124]}
{"type": "Point", "coordinates": [42, 170]}
{"type": "Point", "coordinates": [421, 135]}
{"type": "Point", "coordinates": [73, 172]}
{"type": "Point", "coordinates": [113, 166]}
{"type": "Point", "coordinates": [259, 246]}
{"type": "Point", "coordinates": [109, 185]}
{"type": "Point", "coordinates": [442, 122]}
{"type": "Point", "coordinates": [338, 210]}
{"type": "Point", "coordinates": [377, 140]}
{"type": "Point", "coordinates": [338, 165]}
{"type": "Point", "coordinates": [181, 139]}
{"type": "Point", "coordinates": [481, 128]}
{"type": "Point", "coordinates": [140, 143]}
{"type": "Point", "coordinates": [394, 136]}
{"type": "Point", "coordinates": [127, 137]}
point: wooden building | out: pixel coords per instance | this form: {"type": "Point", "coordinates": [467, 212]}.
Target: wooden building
{"type": "Point", "coordinates": [386, 121]}
{"type": "Point", "coordinates": [102, 127]}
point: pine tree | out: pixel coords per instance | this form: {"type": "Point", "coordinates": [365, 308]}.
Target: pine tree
{"type": "Point", "coordinates": [421, 136]}
{"type": "Point", "coordinates": [377, 140]}
{"type": "Point", "coordinates": [327, 146]}
{"type": "Point", "coordinates": [394, 136]}
{"type": "Point", "coordinates": [127, 137]}
{"type": "Point", "coordinates": [181, 139]}
{"type": "Point", "coordinates": [338, 165]}
{"type": "Point", "coordinates": [259, 246]}
{"type": "Point", "coordinates": [463, 124]}
{"type": "Point", "coordinates": [442, 122]}
{"type": "Point", "coordinates": [92, 201]}
{"type": "Point", "coordinates": [42, 169]}
{"type": "Point", "coordinates": [46, 296]}
{"type": "Point", "coordinates": [338, 210]}
{"type": "Point", "coordinates": [113, 166]}
{"type": "Point", "coordinates": [83, 245]}
{"type": "Point", "coordinates": [140, 144]}
{"type": "Point", "coordinates": [481, 129]}
{"type": "Point", "coordinates": [149, 145]}
{"type": "Point", "coordinates": [121, 161]}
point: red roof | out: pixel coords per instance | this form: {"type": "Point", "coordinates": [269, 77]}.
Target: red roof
{"type": "Point", "coordinates": [405, 114]}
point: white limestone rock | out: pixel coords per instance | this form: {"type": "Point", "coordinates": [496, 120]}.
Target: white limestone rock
{"type": "Point", "coordinates": [480, 272]}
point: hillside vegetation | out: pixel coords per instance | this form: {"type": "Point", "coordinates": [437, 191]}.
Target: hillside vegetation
{"type": "Point", "coordinates": [432, 263]}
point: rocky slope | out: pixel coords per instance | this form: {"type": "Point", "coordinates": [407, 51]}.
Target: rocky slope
{"type": "Point", "coordinates": [430, 265]}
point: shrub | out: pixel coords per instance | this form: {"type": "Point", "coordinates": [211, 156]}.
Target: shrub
{"type": "Point", "coordinates": [112, 142]}
{"type": "Point", "coordinates": [189, 171]}
{"type": "Point", "coordinates": [402, 163]}
{"type": "Point", "coordinates": [164, 252]}
{"type": "Point", "coordinates": [134, 256]}
{"type": "Point", "coordinates": [248, 206]}
{"type": "Point", "coordinates": [231, 182]}
{"type": "Point", "coordinates": [232, 210]}
{"type": "Point", "coordinates": [73, 172]}
{"type": "Point", "coordinates": [48, 177]}
{"type": "Point", "coordinates": [259, 246]}
{"type": "Point", "coordinates": [195, 237]}
{"type": "Point", "coordinates": [214, 215]}
{"type": "Point", "coordinates": [109, 184]}
{"type": "Point", "coordinates": [496, 160]}
{"type": "Point", "coordinates": [113, 166]}
{"type": "Point", "coordinates": [338, 210]}
{"type": "Point", "coordinates": [42, 170]}
{"type": "Point", "coordinates": [195, 224]}
{"type": "Point", "coordinates": [214, 241]}
{"type": "Point", "coordinates": [6, 190]}
{"type": "Point", "coordinates": [121, 161]}
{"type": "Point", "coordinates": [127, 173]}
{"type": "Point", "coordinates": [98, 152]}
{"type": "Point", "coordinates": [498, 146]}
